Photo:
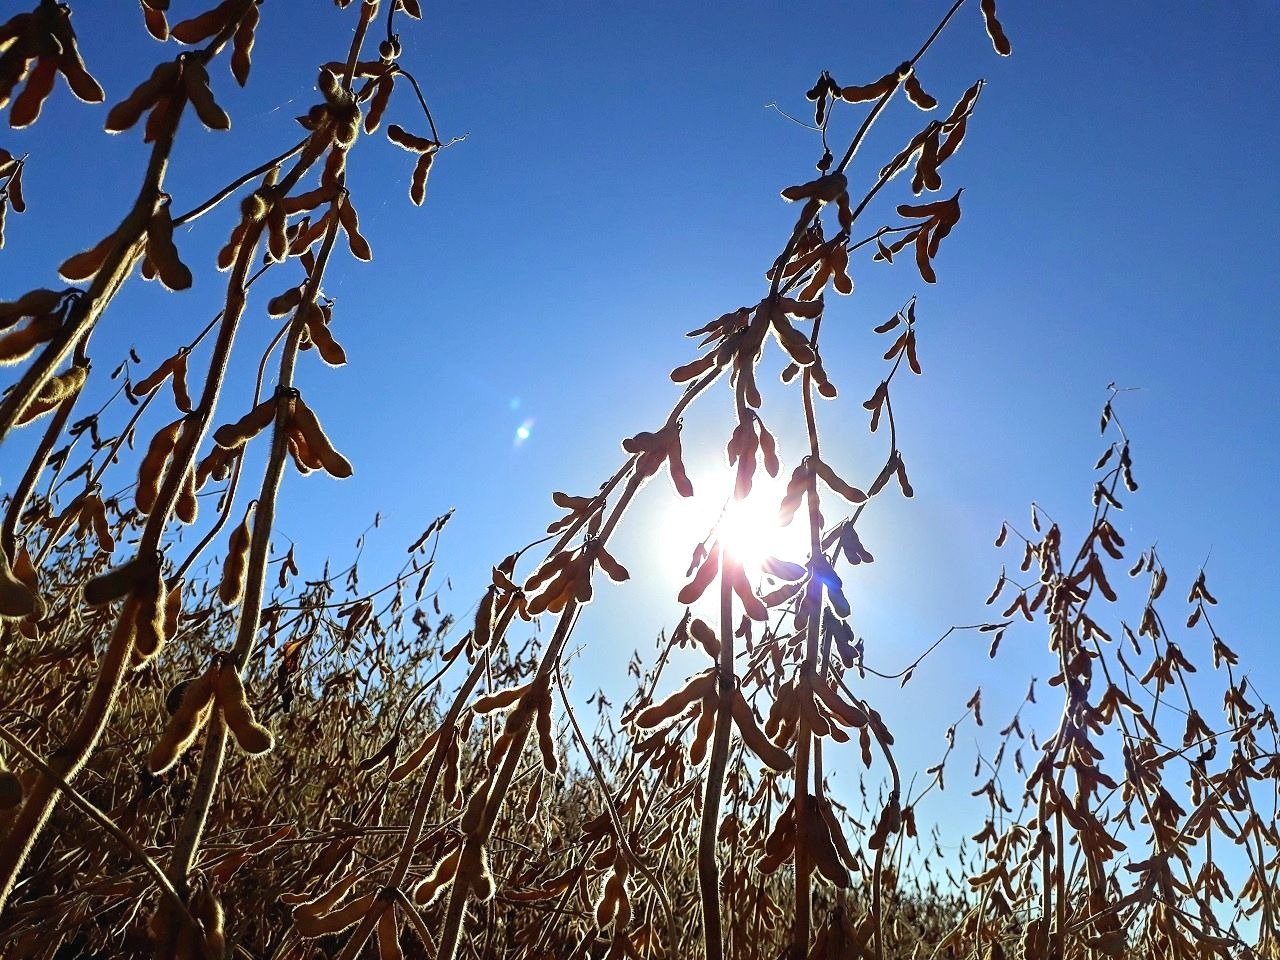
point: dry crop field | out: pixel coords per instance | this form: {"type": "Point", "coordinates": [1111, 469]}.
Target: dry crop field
{"type": "Point", "coordinates": [242, 759]}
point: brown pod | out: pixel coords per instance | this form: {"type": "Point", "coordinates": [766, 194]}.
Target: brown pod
{"type": "Point", "coordinates": [870, 91]}
{"type": "Point", "coordinates": [389, 935]}
{"type": "Point", "coordinates": [196, 80]}
{"type": "Point", "coordinates": [242, 52]}
{"type": "Point", "coordinates": [151, 469]}
{"type": "Point", "coordinates": [306, 423]}
{"type": "Point", "coordinates": [847, 713]}
{"type": "Point", "coordinates": [231, 586]}
{"type": "Point", "coordinates": [282, 303]}
{"type": "Point", "coordinates": [351, 225]}
{"type": "Point", "coordinates": [206, 908]}
{"type": "Point", "coordinates": [499, 699]}
{"type": "Point", "coordinates": [34, 303]}
{"type": "Point", "coordinates": [616, 571]}
{"type": "Point", "coordinates": [173, 273]}
{"type": "Point", "coordinates": [819, 846]}
{"type": "Point", "coordinates": [838, 484]}
{"type": "Point", "coordinates": [55, 390]}
{"type": "Point", "coordinates": [310, 927]}
{"type": "Point", "coordinates": [330, 350]}
{"type": "Point", "coordinates": [994, 29]}
{"type": "Point", "coordinates": [150, 617]}
{"type": "Point", "coordinates": [702, 579]}
{"type": "Point", "coordinates": [120, 581]}
{"type": "Point", "coordinates": [764, 748]}
{"type": "Point", "coordinates": [705, 635]}
{"type": "Point", "coordinates": [418, 183]}
{"type": "Point", "coordinates": [546, 740]}
{"type": "Point", "coordinates": [17, 600]}
{"type": "Point", "coordinates": [403, 138]}
{"type": "Point", "coordinates": [440, 876]}
{"type": "Point", "coordinates": [203, 26]}
{"type": "Point", "coordinates": [84, 265]}
{"type": "Point", "coordinates": [229, 436]}
{"type": "Point", "coordinates": [17, 345]}
{"type": "Point", "coordinates": [187, 507]}
{"type": "Point", "coordinates": [414, 761]}
{"type": "Point", "coordinates": [185, 723]}
{"type": "Point", "coordinates": [378, 104]}
{"type": "Point", "coordinates": [253, 737]}
{"type": "Point", "coordinates": [702, 733]}
{"type": "Point", "coordinates": [129, 111]}
{"type": "Point", "coordinates": [917, 95]}
{"type": "Point", "coordinates": [698, 687]}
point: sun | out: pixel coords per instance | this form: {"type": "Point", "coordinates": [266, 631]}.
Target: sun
{"type": "Point", "coordinates": [747, 529]}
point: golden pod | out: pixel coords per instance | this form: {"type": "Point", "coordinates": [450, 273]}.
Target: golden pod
{"type": "Point", "coordinates": [253, 738]}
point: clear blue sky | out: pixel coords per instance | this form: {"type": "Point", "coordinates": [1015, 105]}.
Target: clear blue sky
{"type": "Point", "coordinates": [618, 186]}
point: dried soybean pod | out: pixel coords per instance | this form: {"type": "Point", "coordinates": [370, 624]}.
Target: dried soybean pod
{"type": "Point", "coordinates": [702, 579]}
{"type": "Point", "coordinates": [82, 266]}
{"type": "Point", "coordinates": [33, 303]}
{"type": "Point", "coordinates": [55, 390]}
{"type": "Point", "coordinates": [129, 111]}
{"type": "Point", "coordinates": [310, 927]}
{"type": "Point", "coordinates": [414, 761]}
{"type": "Point", "coordinates": [389, 935]}
{"type": "Point", "coordinates": [242, 52]}
{"type": "Point", "coordinates": [418, 184]}
{"type": "Point", "coordinates": [231, 586]}
{"type": "Point", "coordinates": [704, 634]}
{"type": "Point", "coordinates": [702, 733]}
{"type": "Point", "coordinates": [119, 581]}
{"type": "Point", "coordinates": [870, 91]}
{"type": "Point", "coordinates": [185, 723]}
{"type": "Point", "coordinates": [16, 345]}
{"type": "Point", "coordinates": [351, 226]}
{"type": "Point", "coordinates": [282, 303]}
{"type": "Point", "coordinates": [173, 273]}
{"type": "Point", "coordinates": [196, 80]}
{"type": "Point", "coordinates": [253, 737]}
{"type": "Point", "coordinates": [156, 377]}
{"type": "Point", "coordinates": [277, 232]}
{"type": "Point", "coordinates": [994, 29]}
{"type": "Point", "coordinates": [151, 469]}
{"type": "Point", "coordinates": [152, 599]}
{"type": "Point", "coordinates": [473, 869]}
{"type": "Point", "coordinates": [616, 571]}
{"type": "Point", "coordinates": [764, 748]}
{"type": "Point", "coordinates": [849, 714]}
{"type": "Point", "coordinates": [229, 436]}
{"type": "Point", "coordinates": [439, 877]}
{"type": "Point", "coordinates": [315, 906]}
{"type": "Point", "coordinates": [187, 506]}
{"type": "Point", "coordinates": [499, 699]}
{"type": "Point", "coordinates": [695, 689]}
{"type": "Point", "coordinates": [206, 908]}
{"type": "Point", "coordinates": [330, 350]}
{"type": "Point", "coordinates": [818, 844]}
{"type": "Point", "coordinates": [917, 95]}
{"type": "Point", "coordinates": [838, 484]}
{"type": "Point", "coordinates": [309, 427]}
{"type": "Point", "coordinates": [546, 741]}
{"type": "Point", "coordinates": [16, 599]}
{"type": "Point", "coordinates": [378, 104]}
